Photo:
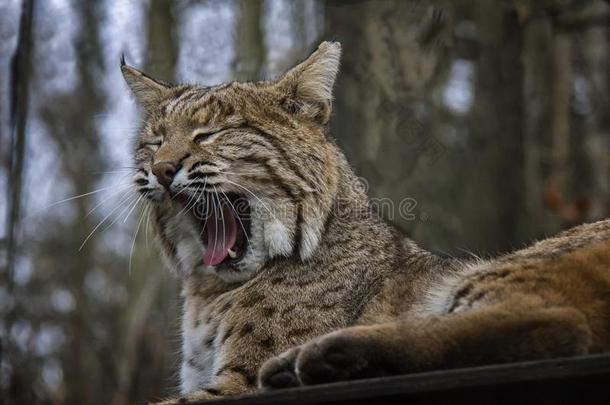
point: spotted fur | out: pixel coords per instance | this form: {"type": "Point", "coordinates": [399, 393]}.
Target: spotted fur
{"type": "Point", "coordinates": [326, 290]}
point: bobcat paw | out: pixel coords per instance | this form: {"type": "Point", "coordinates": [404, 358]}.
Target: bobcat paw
{"type": "Point", "coordinates": [338, 356]}
{"type": "Point", "coordinates": [279, 372]}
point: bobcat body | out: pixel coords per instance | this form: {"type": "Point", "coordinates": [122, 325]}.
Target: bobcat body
{"type": "Point", "coordinates": [290, 279]}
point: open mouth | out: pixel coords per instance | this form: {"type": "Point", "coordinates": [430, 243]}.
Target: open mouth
{"type": "Point", "coordinates": [224, 222]}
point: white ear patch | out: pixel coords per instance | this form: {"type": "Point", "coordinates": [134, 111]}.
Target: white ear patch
{"type": "Point", "coordinates": [183, 232]}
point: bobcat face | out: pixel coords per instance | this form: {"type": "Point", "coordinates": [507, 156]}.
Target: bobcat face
{"type": "Point", "coordinates": [242, 172]}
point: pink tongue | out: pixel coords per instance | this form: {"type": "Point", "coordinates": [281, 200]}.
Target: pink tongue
{"type": "Point", "coordinates": [222, 234]}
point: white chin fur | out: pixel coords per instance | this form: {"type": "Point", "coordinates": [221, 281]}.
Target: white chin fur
{"type": "Point", "coordinates": [182, 230]}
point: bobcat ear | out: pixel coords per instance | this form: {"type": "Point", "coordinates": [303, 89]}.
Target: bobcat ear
{"type": "Point", "coordinates": [147, 90]}
{"type": "Point", "coordinates": [309, 85]}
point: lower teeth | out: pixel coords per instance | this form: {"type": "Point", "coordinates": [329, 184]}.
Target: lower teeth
{"type": "Point", "coordinates": [232, 253]}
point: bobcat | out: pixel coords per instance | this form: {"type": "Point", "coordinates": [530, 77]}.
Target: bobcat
{"type": "Point", "coordinates": [290, 279]}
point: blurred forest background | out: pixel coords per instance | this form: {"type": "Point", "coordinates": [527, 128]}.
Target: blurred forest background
{"type": "Point", "coordinates": [494, 116]}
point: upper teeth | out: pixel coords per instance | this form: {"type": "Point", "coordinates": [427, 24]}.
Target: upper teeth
{"type": "Point", "coordinates": [232, 253]}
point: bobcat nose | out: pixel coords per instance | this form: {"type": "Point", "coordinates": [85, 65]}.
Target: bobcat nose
{"type": "Point", "coordinates": [165, 172]}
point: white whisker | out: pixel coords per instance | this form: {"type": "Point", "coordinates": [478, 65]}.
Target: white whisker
{"type": "Point", "coordinates": [103, 220]}
{"type": "Point", "coordinates": [132, 208]}
{"type": "Point", "coordinates": [126, 208]}
{"type": "Point", "coordinates": [237, 216]}
{"type": "Point", "coordinates": [113, 194]}
{"type": "Point", "coordinates": [85, 194]}
{"type": "Point", "coordinates": [135, 236]}
{"type": "Point", "coordinates": [180, 192]}
{"type": "Point", "coordinates": [255, 196]}
{"type": "Point", "coordinates": [149, 209]}
{"type": "Point", "coordinates": [207, 207]}
{"type": "Point", "coordinates": [192, 199]}
{"type": "Point", "coordinates": [127, 171]}
{"type": "Point", "coordinates": [222, 215]}
{"type": "Point", "coordinates": [215, 227]}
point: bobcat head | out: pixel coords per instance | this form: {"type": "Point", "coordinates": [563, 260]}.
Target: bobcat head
{"type": "Point", "coordinates": [238, 173]}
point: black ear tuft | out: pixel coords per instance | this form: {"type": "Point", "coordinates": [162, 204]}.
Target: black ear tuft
{"type": "Point", "coordinates": [123, 59]}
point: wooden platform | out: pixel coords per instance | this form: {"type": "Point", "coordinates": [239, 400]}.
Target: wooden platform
{"type": "Point", "coordinates": [577, 380]}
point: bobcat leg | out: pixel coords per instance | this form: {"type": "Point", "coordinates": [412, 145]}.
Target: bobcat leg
{"type": "Point", "coordinates": [486, 336]}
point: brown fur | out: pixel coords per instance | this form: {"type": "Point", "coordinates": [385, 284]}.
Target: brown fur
{"type": "Point", "coordinates": [328, 291]}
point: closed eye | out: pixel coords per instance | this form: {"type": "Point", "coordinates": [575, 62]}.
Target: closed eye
{"type": "Point", "coordinates": [152, 145]}
{"type": "Point", "coordinates": [204, 136]}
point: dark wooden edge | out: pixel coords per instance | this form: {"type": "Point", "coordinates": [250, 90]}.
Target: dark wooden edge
{"type": "Point", "coordinates": [435, 381]}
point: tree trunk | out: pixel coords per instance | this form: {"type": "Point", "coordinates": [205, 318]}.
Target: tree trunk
{"type": "Point", "coordinates": [538, 85]}
{"type": "Point", "coordinates": [250, 45]}
{"type": "Point", "coordinates": [381, 89]}
{"type": "Point", "coordinates": [20, 80]}
{"type": "Point", "coordinates": [495, 198]}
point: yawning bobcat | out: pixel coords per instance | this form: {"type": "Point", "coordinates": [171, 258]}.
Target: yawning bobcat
{"type": "Point", "coordinates": [290, 279]}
